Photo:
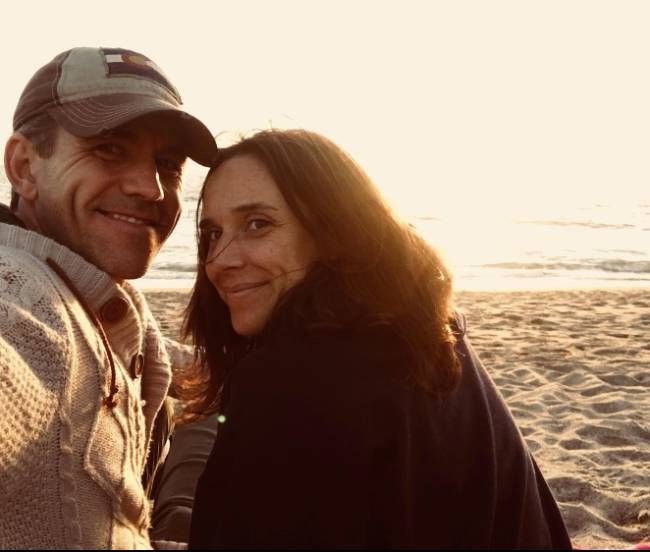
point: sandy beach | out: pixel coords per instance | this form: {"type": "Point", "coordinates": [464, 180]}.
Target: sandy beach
{"type": "Point", "coordinates": [574, 367]}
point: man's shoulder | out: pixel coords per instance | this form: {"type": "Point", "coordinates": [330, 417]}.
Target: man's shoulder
{"type": "Point", "coordinates": [20, 269]}
{"type": "Point", "coordinates": [29, 297]}
{"type": "Point", "coordinates": [10, 254]}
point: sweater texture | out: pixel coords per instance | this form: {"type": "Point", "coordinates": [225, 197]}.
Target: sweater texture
{"type": "Point", "coordinates": [71, 466]}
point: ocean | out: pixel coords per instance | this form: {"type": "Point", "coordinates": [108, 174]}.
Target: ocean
{"type": "Point", "coordinates": [583, 246]}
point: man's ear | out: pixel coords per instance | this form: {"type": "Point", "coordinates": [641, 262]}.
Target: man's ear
{"type": "Point", "coordinates": [19, 160]}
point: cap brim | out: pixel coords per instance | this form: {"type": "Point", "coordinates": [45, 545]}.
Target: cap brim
{"type": "Point", "coordinates": [93, 116]}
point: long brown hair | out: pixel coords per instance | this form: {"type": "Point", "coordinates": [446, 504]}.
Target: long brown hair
{"type": "Point", "coordinates": [381, 270]}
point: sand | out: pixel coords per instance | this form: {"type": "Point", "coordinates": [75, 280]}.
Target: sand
{"type": "Point", "coordinates": [574, 368]}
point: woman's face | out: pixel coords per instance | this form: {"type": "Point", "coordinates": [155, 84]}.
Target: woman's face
{"type": "Point", "coordinates": [257, 248]}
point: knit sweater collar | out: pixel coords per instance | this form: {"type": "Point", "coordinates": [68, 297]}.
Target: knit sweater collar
{"type": "Point", "coordinates": [133, 333]}
{"type": "Point", "coordinates": [95, 285]}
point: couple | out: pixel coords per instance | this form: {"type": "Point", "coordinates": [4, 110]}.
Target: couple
{"type": "Point", "coordinates": [354, 412]}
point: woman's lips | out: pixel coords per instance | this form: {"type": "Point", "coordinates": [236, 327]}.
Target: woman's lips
{"type": "Point", "coordinates": [242, 290]}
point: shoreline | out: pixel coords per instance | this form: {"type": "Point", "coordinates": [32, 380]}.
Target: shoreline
{"type": "Point", "coordinates": [574, 368]}
{"type": "Point", "coordinates": [495, 286]}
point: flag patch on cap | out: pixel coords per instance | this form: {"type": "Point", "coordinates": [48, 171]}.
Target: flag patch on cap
{"type": "Point", "coordinates": [120, 62]}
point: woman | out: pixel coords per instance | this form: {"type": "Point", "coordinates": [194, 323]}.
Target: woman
{"type": "Point", "coordinates": [354, 413]}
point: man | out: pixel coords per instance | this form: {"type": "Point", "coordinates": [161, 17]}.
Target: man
{"type": "Point", "coordinates": [95, 165]}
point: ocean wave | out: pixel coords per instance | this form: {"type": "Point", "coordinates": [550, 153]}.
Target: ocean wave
{"type": "Point", "coordinates": [630, 279]}
{"type": "Point", "coordinates": [625, 251]}
{"type": "Point", "coordinates": [175, 267]}
{"type": "Point", "coordinates": [613, 265]}
{"type": "Point", "coordinates": [584, 224]}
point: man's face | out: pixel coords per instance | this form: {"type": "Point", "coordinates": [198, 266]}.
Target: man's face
{"type": "Point", "coordinates": [115, 198]}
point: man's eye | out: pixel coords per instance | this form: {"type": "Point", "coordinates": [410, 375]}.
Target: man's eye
{"type": "Point", "coordinates": [171, 166]}
{"type": "Point", "coordinates": [109, 149]}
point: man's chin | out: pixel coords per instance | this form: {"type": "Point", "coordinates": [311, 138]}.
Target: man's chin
{"type": "Point", "coordinates": [127, 274]}
{"type": "Point", "coordinates": [124, 269]}
{"type": "Point", "coordinates": [121, 261]}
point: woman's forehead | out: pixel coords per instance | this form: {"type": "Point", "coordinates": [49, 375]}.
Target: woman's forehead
{"type": "Point", "coordinates": [241, 181]}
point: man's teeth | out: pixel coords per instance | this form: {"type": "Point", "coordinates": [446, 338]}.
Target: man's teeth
{"type": "Point", "coordinates": [127, 219]}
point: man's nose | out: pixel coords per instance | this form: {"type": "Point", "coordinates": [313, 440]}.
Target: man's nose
{"type": "Point", "coordinates": [143, 181]}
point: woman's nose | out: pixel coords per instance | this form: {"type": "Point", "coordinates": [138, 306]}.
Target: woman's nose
{"type": "Point", "coordinates": [226, 253]}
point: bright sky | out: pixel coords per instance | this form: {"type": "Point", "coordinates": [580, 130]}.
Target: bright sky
{"type": "Point", "coordinates": [457, 105]}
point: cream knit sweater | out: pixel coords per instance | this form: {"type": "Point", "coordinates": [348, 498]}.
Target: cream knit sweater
{"type": "Point", "coordinates": [70, 467]}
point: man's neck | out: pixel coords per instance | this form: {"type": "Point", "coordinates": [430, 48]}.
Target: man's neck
{"type": "Point", "coordinates": [7, 216]}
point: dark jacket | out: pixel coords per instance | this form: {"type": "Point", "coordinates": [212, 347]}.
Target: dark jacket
{"type": "Point", "coordinates": [7, 216]}
{"type": "Point", "coordinates": [325, 444]}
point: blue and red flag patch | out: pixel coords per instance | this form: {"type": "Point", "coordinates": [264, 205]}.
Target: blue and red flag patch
{"type": "Point", "coordinates": [120, 62]}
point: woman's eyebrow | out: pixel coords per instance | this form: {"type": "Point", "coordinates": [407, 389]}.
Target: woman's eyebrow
{"type": "Point", "coordinates": [207, 222]}
{"type": "Point", "coordinates": [256, 206]}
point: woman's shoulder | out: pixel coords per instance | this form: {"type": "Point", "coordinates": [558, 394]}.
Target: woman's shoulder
{"type": "Point", "coordinates": [342, 349]}
{"type": "Point", "coordinates": [352, 363]}
{"type": "Point", "coordinates": [335, 387]}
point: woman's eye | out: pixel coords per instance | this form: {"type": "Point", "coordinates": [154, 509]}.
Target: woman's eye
{"type": "Point", "coordinates": [257, 224]}
{"type": "Point", "coordinates": [213, 235]}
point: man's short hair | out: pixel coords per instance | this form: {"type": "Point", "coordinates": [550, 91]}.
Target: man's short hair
{"type": "Point", "coordinates": [41, 131]}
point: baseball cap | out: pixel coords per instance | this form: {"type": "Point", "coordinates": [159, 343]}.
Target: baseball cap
{"type": "Point", "coordinates": [92, 90]}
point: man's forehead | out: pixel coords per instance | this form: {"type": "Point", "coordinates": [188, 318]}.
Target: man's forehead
{"type": "Point", "coordinates": [161, 129]}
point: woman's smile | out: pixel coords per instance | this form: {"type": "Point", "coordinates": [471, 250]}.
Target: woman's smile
{"type": "Point", "coordinates": [256, 242]}
{"type": "Point", "coordinates": [241, 291]}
